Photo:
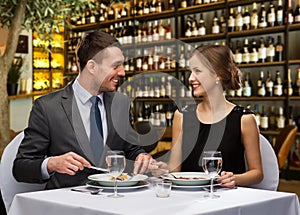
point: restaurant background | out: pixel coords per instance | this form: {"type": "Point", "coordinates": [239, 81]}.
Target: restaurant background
{"type": "Point", "coordinates": [46, 72]}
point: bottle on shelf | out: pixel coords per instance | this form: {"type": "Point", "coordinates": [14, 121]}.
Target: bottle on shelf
{"type": "Point", "coordinates": [201, 26]}
{"type": "Point", "coordinates": [262, 51]}
{"type": "Point", "coordinates": [279, 13]}
{"type": "Point", "coordinates": [269, 84]}
{"type": "Point", "coordinates": [254, 16]}
{"type": "Point", "coordinates": [247, 85]}
{"type": "Point", "coordinates": [245, 52]}
{"type": "Point", "coordinates": [146, 8]}
{"type": "Point", "coordinates": [280, 119]}
{"type": "Point", "coordinates": [262, 19]}
{"type": "Point", "coordinates": [246, 18]}
{"type": "Point", "coordinates": [288, 84]}
{"type": "Point", "coordinates": [223, 25]}
{"type": "Point", "coordinates": [194, 26]}
{"type": "Point", "coordinates": [257, 114]}
{"type": "Point", "coordinates": [239, 19]}
{"type": "Point", "coordinates": [271, 15]}
{"type": "Point", "coordinates": [272, 118]}
{"type": "Point", "coordinates": [238, 57]}
{"type": "Point", "coordinates": [215, 29]}
{"type": "Point", "coordinates": [297, 84]}
{"type": "Point", "coordinates": [169, 30]}
{"type": "Point", "coordinates": [279, 48]}
{"type": "Point", "coordinates": [290, 13]}
{"type": "Point", "coordinates": [231, 20]}
{"type": "Point", "coordinates": [278, 85]}
{"type": "Point", "coordinates": [271, 50]}
{"type": "Point", "coordinates": [261, 85]}
{"type": "Point", "coordinates": [264, 119]}
{"type": "Point", "coordinates": [291, 119]}
{"type": "Point", "coordinates": [297, 13]}
{"type": "Point", "coordinates": [253, 52]}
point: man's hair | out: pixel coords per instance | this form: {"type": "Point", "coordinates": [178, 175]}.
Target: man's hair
{"type": "Point", "coordinates": [93, 43]}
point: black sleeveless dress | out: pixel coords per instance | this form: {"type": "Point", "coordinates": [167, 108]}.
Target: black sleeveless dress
{"type": "Point", "coordinates": [224, 136]}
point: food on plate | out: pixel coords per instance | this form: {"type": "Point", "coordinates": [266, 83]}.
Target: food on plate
{"type": "Point", "coordinates": [122, 177]}
{"type": "Point", "coordinates": [190, 178]}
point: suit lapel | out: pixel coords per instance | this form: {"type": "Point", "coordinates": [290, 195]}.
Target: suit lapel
{"type": "Point", "coordinates": [71, 110]}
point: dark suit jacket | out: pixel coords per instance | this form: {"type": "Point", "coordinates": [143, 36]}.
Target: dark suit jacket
{"type": "Point", "coordinates": [55, 128]}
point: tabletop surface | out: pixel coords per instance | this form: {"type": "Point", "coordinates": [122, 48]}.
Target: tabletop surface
{"type": "Point", "coordinates": [244, 201]}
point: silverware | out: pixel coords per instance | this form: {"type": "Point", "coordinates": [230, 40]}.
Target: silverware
{"type": "Point", "coordinates": [99, 168]}
{"type": "Point", "coordinates": [86, 190]}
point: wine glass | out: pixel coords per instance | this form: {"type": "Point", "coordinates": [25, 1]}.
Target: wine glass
{"type": "Point", "coordinates": [212, 164]}
{"type": "Point", "coordinates": [116, 162]}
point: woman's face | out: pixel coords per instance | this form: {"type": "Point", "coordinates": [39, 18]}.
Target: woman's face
{"type": "Point", "coordinates": [109, 70]}
{"type": "Point", "coordinates": [202, 78]}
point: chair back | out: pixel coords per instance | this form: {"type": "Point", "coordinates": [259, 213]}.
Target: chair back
{"type": "Point", "coordinates": [269, 165]}
{"type": "Point", "coordinates": [283, 144]}
{"type": "Point", "coordinates": [8, 185]}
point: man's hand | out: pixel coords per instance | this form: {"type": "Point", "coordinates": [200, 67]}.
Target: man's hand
{"type": "Point", "coordinates": [68, 163]}
{"type": "Point", "coordinates": [142, 163]}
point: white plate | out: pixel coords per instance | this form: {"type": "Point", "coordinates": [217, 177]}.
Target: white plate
{"type": "Point", "coordinates": [105, 180]}
{"type": "Point", "coordinates": [194, 186]}
{"type": "Point", "coordinates": [188, 178]}
{"type": "Point", "coordinates": [96, 184]}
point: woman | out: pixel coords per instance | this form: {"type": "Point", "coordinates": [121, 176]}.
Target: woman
{"type": "Point", "coordinates": [220, 124]}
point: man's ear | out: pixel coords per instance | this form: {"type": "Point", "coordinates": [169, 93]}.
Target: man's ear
{"type": "Point", "coordinates": [91, 66]}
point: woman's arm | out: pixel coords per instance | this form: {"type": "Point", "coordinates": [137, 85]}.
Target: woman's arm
{"type": "Point", "coordinates": [176, 151]}
{"type": "Point", "coordinates": [250, 138]}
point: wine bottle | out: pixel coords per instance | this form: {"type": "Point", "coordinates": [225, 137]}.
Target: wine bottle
{"type": "Point", "coordinates": [201, 26]}
{"type": "Point", "coordinates": [254, 52]}
{"type": "Point", "coordinates": [278, 85]}
{"type": "Point", "coordinates": [245, 52]}
{"type": "Point", "coordinates": [297, 13]}
{"type": "Point", "coordinates": [269, 84]}
{"type": "Point", "coordinates": [194, 27]}
{"type": "Point", "coordinates": [239, 19]}
{"type": "Point", "coordinates": [262, 51]}
{"type": "Point", "coordinates": [272, 118]}
{"type": "Point", "coordinates": [279, 49]}
{"type": "Point", "coordinates": [247, 86]}
{"type": "Point", "coordinates": [254, 16]}
{"type": "Point", "coordinates": [297, 84]}
{"type": "Point", "coordinates": [222, 22]}
{"type": "Point", "coordinates": [271, 15]}
{"type": "Point", "coordinates": [280, 119]}
{"type": "Point", "coordinates": [238, 57]}
{"type": "Point", "coordinates": [264, 119]}
{"type": "Point", "coordinates": [169, 30]}
{"type": "Point", "coordinates": [280, 13]}
{"type": "Point", "coordinates": [261, 85]}
{"type": "Point", "coordinates": [257, 115]}
{"type": "Point", "coordinates": [246, 18]}
{"type": "Point", "coordinates": [288, 85]}
{"type": "Point", "coordinates": [215, 24]}
{"type": "Point", "coordinates": [270, 50]}
{"type": "Point", "coordinates": [290, 13]}
{"type": "Point", "coordinates": [291, 118]}
{"type": "Point", "coordinates": [231, 20]}
{"type": "Point", "coordinates": [262, 19]}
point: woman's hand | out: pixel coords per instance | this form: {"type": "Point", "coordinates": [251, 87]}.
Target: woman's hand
{"type": "Point", "coordinates": [158, 168]}
{"type": "Point", "coordinates": [227, 179]}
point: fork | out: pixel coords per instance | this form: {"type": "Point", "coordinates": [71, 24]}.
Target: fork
{"type": "Point", "coordinates": [83, 190]}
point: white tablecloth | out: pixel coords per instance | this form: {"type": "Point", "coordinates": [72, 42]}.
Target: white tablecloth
{"type": "Point", "coordinates": [240, 201]}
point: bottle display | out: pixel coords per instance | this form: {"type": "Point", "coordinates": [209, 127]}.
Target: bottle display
{"type": "Point", "coordinates": [261, 52]}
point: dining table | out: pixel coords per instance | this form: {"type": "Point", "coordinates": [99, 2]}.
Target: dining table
{"type": "Point", "coordinates": [143, 201]}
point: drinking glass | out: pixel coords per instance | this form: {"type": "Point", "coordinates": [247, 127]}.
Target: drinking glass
{"type": "Point", "coordinates": [116, 162]}
{"type": "Point", "coordinates": [212, 164]}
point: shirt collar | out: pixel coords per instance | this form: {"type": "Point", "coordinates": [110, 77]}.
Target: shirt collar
{"type": "Point", "coordinates": [82, 94]}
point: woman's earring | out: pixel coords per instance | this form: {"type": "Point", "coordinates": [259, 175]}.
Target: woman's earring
{"type": "Point", "coordinates": [217, 82]}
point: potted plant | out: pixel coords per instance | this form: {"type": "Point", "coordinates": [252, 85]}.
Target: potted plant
{"type": "Point", "coordinates": [14, 75]}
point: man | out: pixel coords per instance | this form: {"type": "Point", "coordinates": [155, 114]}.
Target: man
{"type": "Point", "coordinates": [56, 148]}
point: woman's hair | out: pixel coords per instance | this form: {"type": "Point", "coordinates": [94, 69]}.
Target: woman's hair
{"type": "Point", "coordinates": [92, 44]}
{"type": "Point", "coordinates": [220, 58]}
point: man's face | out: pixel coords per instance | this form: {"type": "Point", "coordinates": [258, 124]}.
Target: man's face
{"type": "Point", "coordinates": [109, 70]}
